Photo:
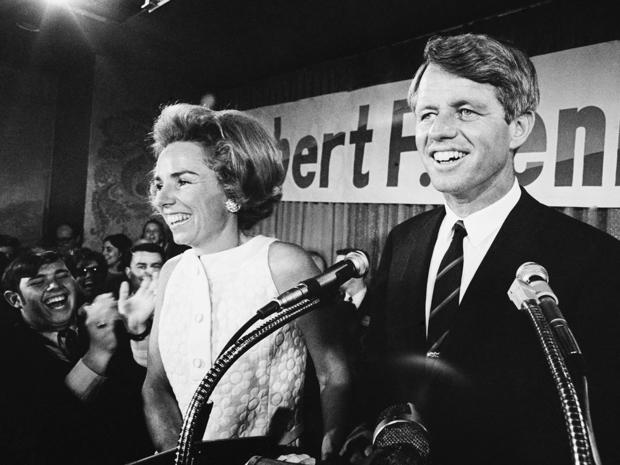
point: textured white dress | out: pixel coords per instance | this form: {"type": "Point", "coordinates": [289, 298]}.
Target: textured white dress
{"type": "Point", "coordinates": [206, 300]}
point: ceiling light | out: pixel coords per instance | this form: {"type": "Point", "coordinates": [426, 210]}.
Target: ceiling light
{"type": "Point", "coordinates": [152, 5]}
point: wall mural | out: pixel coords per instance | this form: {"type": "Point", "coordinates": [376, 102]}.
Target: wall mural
{"type": "Point", "coordinates": [122, 166]}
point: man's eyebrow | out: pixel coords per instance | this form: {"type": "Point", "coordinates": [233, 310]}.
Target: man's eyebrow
{"type": "Point", "coordinates": [473, 103]}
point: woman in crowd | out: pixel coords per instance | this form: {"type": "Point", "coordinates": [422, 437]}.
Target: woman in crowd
{"type": "Point", "coordinates": [115, 251]}
{"type": "Point", "coordinates": [217, 174]}
{"type": "Point", "coordinates": [155, 232]}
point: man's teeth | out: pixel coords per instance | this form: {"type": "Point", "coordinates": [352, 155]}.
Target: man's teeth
{"type": "Point", "coordinates": [443, 157]}
{"type": "Point", "coordinates": [177, 218]}
{"type": "Point", "coordinates": [57, 301]}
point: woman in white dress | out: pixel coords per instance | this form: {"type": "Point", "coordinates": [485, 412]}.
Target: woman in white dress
{"type": "Point", "coordinates": [217, 174]}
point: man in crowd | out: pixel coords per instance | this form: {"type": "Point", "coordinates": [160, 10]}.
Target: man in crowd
{"type": "Point", "coordinates": [70, 395]}
{"type": "Point", "coordinates": [145, 262]}
{"type": "Point", "coordinates": [90, 273]}
{"type": "Point", "coordinates": [443, 332]}
{"type": "Point", "coordinates": [67, 238]}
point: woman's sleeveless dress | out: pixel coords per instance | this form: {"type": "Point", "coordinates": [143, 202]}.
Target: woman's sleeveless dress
{"type": "Point", "coordinates": [207, 299]}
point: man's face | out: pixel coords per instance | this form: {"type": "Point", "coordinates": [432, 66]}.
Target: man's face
{"type": "Point", "coordinates": [65, 239]}
{"type": "Point", "coordinates": [90, 277]}
{"type": "Point", "coordinates": [143, 264]}
{"type": "Point", "coordinates": [465, 143]}
{"type": "Point", "coordinates": [47, 300]}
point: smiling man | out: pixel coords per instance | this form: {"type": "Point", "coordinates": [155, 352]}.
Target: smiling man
{"type": "Point", "coordinates": [65, 384]}
{"type": "Point", "coordinates": [145, 261]}
{"type": "Point", "coordinates": [444, 334]}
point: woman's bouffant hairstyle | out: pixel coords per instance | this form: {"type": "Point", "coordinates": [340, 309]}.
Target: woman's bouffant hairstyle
{"type": "Point", "coordinates": [485, 60]}
{"type": "Point", "coordinates": [243, 155]}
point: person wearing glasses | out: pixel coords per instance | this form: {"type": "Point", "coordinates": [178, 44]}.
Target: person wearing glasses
{"type": "Point", "coordinates": [217, 174]}
{"type": "Point", "coordinates": [90, 273]}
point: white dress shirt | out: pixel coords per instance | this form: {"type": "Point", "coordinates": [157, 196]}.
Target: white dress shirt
{"type": "Point", "coordinates": [482, 228]}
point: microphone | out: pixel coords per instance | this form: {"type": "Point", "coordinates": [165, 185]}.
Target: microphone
{"type": "Point", "coordinates": [400, 438]}
{"type": "Point", "coordinates": [536, 276]}
{"type": "Point", "coordinates": [354, 265]}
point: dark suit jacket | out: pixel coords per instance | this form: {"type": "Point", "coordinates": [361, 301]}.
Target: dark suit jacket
{"type": "Point", "coordinates": [490, 398]}
{"type": "Point", "coordinates": [41, 421]}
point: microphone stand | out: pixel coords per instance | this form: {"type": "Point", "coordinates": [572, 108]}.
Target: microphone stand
{"type": "Point", "coordinates": [579, 435]}
{"type": "Point", "coordinates": [195, 422]}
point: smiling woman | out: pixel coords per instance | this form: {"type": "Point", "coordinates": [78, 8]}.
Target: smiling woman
{"type": "Point", "coordinates": [217, 174]}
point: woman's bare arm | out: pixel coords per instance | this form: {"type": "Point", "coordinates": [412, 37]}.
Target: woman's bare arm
{"type": "Point", "coordinates": [163, 417]}
{"type": "Point", "coordinates": [323, 334]}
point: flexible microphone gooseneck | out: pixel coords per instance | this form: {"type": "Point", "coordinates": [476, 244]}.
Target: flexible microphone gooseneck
{"type": "Point", "coordinates": [537, 277]}
{"type": "Point", "coordinates": [354, 265]}
{"type": "Point", "coordinates": [577, 421]}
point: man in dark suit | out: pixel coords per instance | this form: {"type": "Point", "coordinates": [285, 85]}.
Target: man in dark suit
{"type": "Point", "coordinates": [69, 393]}
{"type": "Point", "coordinates": [443, 333]}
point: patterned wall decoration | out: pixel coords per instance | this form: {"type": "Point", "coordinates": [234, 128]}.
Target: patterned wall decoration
{"type": "Point", "coordinates": [124, 105]}
{"type": "Point", "coordinates": [121, 175]}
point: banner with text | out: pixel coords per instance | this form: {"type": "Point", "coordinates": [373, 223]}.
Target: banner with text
{"type": "Point", "coordinates": [360, 146]}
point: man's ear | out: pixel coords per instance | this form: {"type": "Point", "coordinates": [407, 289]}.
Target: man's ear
{"type": "Point", "coordinates": [128, 272]}
{"type": "Point", "coordinates": [520, 129]}
{"type": "Point", "coordinates": [14, 299]}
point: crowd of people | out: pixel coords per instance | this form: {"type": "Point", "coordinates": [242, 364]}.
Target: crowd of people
{"type": "Point", "coordinates": [75, 323]}
{"type": "Point", "coordinates": [104, 351]}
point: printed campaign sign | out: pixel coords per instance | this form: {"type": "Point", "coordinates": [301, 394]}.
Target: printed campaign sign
{"type": "Point", "coordinates": [360, 146]}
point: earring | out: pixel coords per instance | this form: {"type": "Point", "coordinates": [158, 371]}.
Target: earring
{"type": "Point", "coordinates": [232, 205]}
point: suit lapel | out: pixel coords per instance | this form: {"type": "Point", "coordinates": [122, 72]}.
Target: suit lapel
{"type": "Point", "coordinates": [415, 275]}
{"type": "Point", "coordinates": [502, 259]}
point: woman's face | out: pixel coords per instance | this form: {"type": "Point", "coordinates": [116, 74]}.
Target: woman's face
{"type": "Point", "coordinates": [111, 254]}
{"type": "Point", "coordinates": [153, 233]}
{"type": "Point", "coordinates": [191, 199]}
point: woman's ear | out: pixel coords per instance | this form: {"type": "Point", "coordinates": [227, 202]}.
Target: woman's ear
{"type": "Point", "coordinates": [520, 129]}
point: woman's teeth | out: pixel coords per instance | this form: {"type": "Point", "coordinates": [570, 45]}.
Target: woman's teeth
{"type": "Point", "coordinates": [177, 218]}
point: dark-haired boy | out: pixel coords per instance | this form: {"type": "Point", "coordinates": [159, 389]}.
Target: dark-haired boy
{"type": "Point", "coordinates": [70, 396]}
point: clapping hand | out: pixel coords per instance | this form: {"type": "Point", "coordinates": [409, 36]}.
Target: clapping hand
{"type": "Point", "coordinates": [138, 309]}
{"type": "Point", "coordinates": [100, 321]}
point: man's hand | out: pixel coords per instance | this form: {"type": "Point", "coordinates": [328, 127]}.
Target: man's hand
{"type": "Point", "coordinates": [100, 321]}
{"type": "Point", "coordinates": [138, 309]}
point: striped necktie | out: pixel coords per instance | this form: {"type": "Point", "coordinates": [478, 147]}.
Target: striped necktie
{"type": "Point", "coordinates": [445, 301]}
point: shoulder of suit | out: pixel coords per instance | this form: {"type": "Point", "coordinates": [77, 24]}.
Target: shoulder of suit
{"type": "Point", "coordinates": [418, 221]}
{"type": "Point", "coordinates": [563, 232]}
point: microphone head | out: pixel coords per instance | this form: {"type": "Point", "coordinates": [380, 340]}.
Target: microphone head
{"type": "Point", "coordinates": [530, 272]}
{"type": "Point", "coordinates": [398, 428]}
{"type": "Point", "coordinates": [360, 262]}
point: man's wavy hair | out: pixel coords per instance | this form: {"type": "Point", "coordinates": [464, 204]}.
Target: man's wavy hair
{"type": "Point", "coordinates": [485, 60]}
{"type": "Point", "coordinates": [243, 155]}
{"type": "Point", "coordinates": [27, 265]}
